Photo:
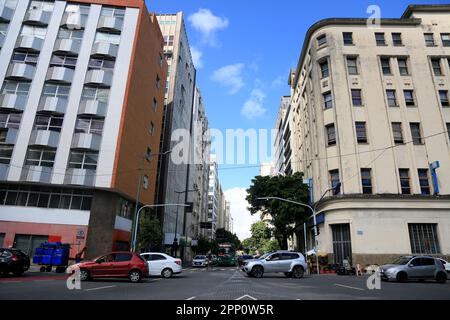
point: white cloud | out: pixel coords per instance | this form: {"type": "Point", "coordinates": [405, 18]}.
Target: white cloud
{"type": "Point", "coordinates": [239, 211]}
{"type": "Point", "coordinates": [197, 57]}
{"type": "Point", "coordinates": [230, 76]}
{"type": "Point", "coordinates": [253, 107]}
{"type": "Point", "coordinates": [278, 82]}
{"type": "Point", "coordinates": [207, 24]}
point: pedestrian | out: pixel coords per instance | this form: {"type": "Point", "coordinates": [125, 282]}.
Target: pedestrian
{"type": "Point", "coordinates": [209, 259]}
{"type": "Point", "coordinates": [79, 255]}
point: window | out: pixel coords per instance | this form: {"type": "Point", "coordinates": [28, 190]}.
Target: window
{"type": "Point", "coordinates": [443, 96]}
{"type": "Point", "coordinates": [4, 29]}
{"type": "Point", "coordinates": [158, 81]}
{"type": "Point", "coordinates": [321, 40]}
{"type": "Point", "coordinates": [25, 57]}
{"type": "Point", "coordinates": [148, 155]}
{"type": "Point", "coordinates": [89, 125]}
{"type": "Point", "coordinates": [391, 98]}
{"type": "Point", "coordinates": [324, 69]}
{"type": "Point", "coordinates": [445, 37]}
{"type": "Point", "coordinates": [352, 65]}
{"type": "Point", "coordinates": [40, 157]}
{"type": "Point", "coordinates": [101, 64]}
{"type": "Point", "coordinates": [436, 64]}
{"type": "Point", "coordinates": [73, 34]}
{"type": "Point", "coordinates": [155, 105]}
{"type": "Point", "coordinates": [416, 133]}
{"type": "Point", "coordinates": [397, 132]}
{"type": "Point", "coordinates": [386, 66]}
{"type": "Point", "coordinates": [423, 238]}
{"type": "Point", "coordinates": [409, 97]}
{"type": "Point", "coordinates": [334, 179]}
{"type": "Point", "coordinates": [366, 179]}
{"type": "Point", "coordinates": [397, 39]}
{"type": "Point", "coordinates": [403, 66]}
{"type": "Point", "coordinates": [78, 9]}
{"type": "Point", "coordinates": [98, 94]}
{"type": "Point", "coordinates": [327, 100]}
{"type": "Point", "coordinates": [145, 184]}
{"type": "Point", "coordinates": [41, 5]}
{"type": "Point", "coordinates": [33, 31]}
{"type": "Point", "coordinates": [55, 90]}
{"type": "Point", "coordinates": [356, 98]}
{"type": "Point", "coordinates": [448, 129]}
{"type": "Point", "coordinates": [361, 132]}
{"type": "Point", "coordinates": [113, 12]}
{"type": "Point", "coordinates": [151, 130]}
{"type": "Point", "coordinates": [83, 160]}
{"type": "Point", "coordinates": [5, 154]}
{"type": "Point", "coordinates": [15, 87]}
{"type": "Point", "coordinates": [169, 40]}
{"type": "Point", "coordinates": [348, 38]}
{"type": "Point", "coordinates": [122, 257]}
{"type": "Point", "coordinates": [380, 39]}
{"type": "Point", "coordinates": [331, 134]}
{"type": "Point", "coordinates": [424, 181]}
{"type": "Point", "coordinates": [10, 120]}
{"type": "Point", "coordinates": [48, 123]}
{"type": "Point", "coordinates": [111, 38]}
{"type": "Point", "coordinates": [429, 39]}
{"type": "Point", "coordinates": [63, 61]}
{"type": "Point", "coordinates": [404, 181]}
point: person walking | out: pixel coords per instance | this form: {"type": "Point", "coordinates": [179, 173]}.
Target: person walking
{"type": "Point", "coordinates": [209, 259]}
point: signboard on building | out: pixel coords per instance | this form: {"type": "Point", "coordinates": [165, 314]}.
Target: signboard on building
{"type": "Point", "coordinates": [81, 234]}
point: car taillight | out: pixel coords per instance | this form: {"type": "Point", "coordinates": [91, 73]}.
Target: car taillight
{"type": "Point", "coordinates": [15, 258]}
{"type": "Point", "coordinates": [178, 262]}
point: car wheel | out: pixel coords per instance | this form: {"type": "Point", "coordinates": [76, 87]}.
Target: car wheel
{"type": "Point", "coordinates": [48, 269]}
{"type": "Point", "coordinates": [288, 274]}
{"type": "Point", "coordinates": [298, 272]}
{"type": "Point", "coordinates": [167, 273]}
{"type": "Point", "coordinates": [135, 276]}
{"type": "Point", "coordinates": [441, 277]}
{"type": "Point", "coordinates": [84, 275]}
{"type": "Point", "coordinates": [258, 272]}
{"type": "Point", "coordinates": [402, 277]}
{"type": "Point", "coordinates": [42, 269]}
{"type": "Point", "coordinates": [18, 273]}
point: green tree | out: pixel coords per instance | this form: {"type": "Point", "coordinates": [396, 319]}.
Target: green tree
{"type": "Point", "coordinates": [149, 235]}
{"type": "Point", "coordinates": [260, 236]}
{"type": "Point", "coordinates": [270, 245]}
{"type": "Point", "coordinates": [225, 236]}
{"type": "Point", "coordinates": [282, 215]}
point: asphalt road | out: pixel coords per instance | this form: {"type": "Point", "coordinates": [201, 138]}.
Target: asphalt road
{"type": "Point", "coordinates": [218, 284]}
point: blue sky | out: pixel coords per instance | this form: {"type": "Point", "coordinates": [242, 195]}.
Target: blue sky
{"type": "Point", "coordinates": [247, 49]}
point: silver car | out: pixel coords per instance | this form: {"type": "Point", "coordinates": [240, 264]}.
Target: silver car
{"type": "Point", "coordinates": [414, 268]}
{"type": "Point", "coordinates": [292, 264]}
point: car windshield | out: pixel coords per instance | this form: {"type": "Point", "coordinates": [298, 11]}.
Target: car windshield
{"type": "Point", "coordinates": [199, 257]}
{"type": "Point", "coordinates": [401, 261]}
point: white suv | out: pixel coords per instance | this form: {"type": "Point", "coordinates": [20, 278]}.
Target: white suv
{"type": "Point", "coordinates": [292, 264]}
{"type": "Point", "coordinates": [161, 264]}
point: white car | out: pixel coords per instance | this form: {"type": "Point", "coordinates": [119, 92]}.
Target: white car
{"type": "Point", "coordinates": [446, 265]}
{"type": "Point", "coordinates": [200, 261]}
{"type": "Point", "coordinates": [161, 264]}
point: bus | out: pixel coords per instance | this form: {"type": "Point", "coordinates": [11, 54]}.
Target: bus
{"type": "Point", "coordinates": [227, 255]}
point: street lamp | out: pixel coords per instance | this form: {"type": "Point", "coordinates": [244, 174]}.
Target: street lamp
{"type": "Point", "coordinates": [175, 240]}
{"type": "Point", "coordinates": [139, 212]}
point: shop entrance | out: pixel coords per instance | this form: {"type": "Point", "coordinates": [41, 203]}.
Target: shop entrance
{"type": "Point", "coordinates": [342, 243]}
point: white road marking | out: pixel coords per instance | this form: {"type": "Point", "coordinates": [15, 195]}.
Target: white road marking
{"type": "Point", "coordinates": [246, 296]}
{"type": "Point", "coordinates": [100, 288]}
{"type": "Point", "coordinates": [191, 298]}
{"type": "Point", "coordinates": [341, 285]}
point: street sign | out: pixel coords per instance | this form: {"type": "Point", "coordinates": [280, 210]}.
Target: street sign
{"type": "Point", "coordinates": [80, 234]}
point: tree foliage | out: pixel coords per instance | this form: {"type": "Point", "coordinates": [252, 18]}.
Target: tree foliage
{"type": "Point", "coordinates": [260, 239]}
{"type": "Point", "coordinates": [149, 235]}
{"type": "Point", "coordinates": [225, 236]}
{"type": "Point", "coordinates": [283, 216]}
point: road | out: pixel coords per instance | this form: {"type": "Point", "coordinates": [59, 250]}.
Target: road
{"type": "Point", "coordinates": [217, 284]}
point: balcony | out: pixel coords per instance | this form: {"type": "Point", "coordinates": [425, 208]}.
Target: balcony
{"type": "Point", "coordinates": [60, 75]}
{"type": "Point", "coordinates": [92, 108]}
{"type": "Point", "coordinates": [20, 71]}
{"type": "Point", "coordinates": [11, 135]}
{"type": "Point", "coordinates": [4, 169]}
{"type": "Point", "coordinates": [53, 104]}
{"type": "Point", "coordinates": [44, 138]}
{"type": "Point", "coordinates": [36, 174]}
{"type": "Point", "coordinates": [29, 43]}
{"type": "Point", "coordinates": [6, 13]}
{"type": "Point", "coordinates": [102, 78]}
{"type": "Point", "coordinates": [81, 177]}
{"type": "Point", "coordinates": [105, 49]}
{"type": "Point", "coordinates": [68, 46]}
{"type": "Point", "coordinates": [110, 24]}
{"type": "Point", "coordinates": [74, 21]}
{"type": "Point", "coordinates": [37, 17]}
{"type": "Point", "coordinates": [86, 141]}
{"type": "Point", "coordinates": [15, 102]}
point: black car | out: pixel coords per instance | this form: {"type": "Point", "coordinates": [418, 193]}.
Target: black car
{"type": "Point", "coordinates": [243, 258]}
{"type": "Point", "coordinates": [13, 260]}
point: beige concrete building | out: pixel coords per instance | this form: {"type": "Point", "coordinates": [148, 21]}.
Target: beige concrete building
{"type": "Point", "coordinates": [370, 110]}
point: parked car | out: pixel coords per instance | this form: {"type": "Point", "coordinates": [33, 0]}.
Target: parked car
{"type": "Point", "coordinates": [414, 268]}
{"type": "Point", "coordinates": [292, 264]}
{"type": "Point", "coordinates": [200, 261]}
{"type": "Point", "coordinates": [243, 258]}
{"type": "Point", "coordinates": [446, 265]}
{"type": "Point", "coordinates": [161, 264]}
{"type": "Point", "coordinates": [13, 260]}
{"type": "Point", "coordinates": [114, 265]}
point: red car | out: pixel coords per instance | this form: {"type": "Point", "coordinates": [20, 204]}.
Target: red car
{"type": "Point", "coordinates": [115, 265]}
